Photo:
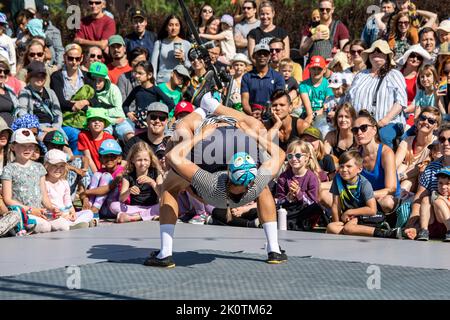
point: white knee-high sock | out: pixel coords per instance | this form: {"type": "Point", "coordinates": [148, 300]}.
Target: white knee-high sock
{"type": "Point", "coordinates": [166, 231]}
{"type": "Point", "coordinates": [271, 231]}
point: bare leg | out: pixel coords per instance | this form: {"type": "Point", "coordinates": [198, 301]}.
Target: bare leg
{"type": "Point", "coordinates": [425, 213]}
{"type": "Point", "coordinates": [266, 207]}
{"type": "Point", "coordinates": [335, 227]}
{"type": "Point", "coordinates": [169, 204]}
{"type": "Point", "coordinates": [353, 228]}
{"type": "Point", "coordinates": [442, 212]}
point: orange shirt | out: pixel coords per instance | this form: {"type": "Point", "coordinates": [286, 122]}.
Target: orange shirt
{"type": "Point", "coordinates": [115, 72]}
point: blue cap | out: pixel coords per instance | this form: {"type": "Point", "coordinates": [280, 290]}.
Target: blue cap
{"type": "Point", "coordinates": [110, 146]}
{"type": "Point", "coordinates": [242, 170]}
{"type": "Point", "coordinates": [444, 172]}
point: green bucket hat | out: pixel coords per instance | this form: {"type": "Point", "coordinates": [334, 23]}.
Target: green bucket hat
{"type": "Point", "coordinates": [96, 113]}
{"type": "Point", "coordinates": [99, 70]}
{"type": "Point", "coordinates": [313, 132]}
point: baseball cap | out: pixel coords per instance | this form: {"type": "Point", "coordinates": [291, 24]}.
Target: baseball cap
{"type": "Point", "coordinates": [157, 106]}
{"type": "Point", "coordinates": [261, 47]}
{"type": "Point", "coordinates": [55, 137]}
{"type": "Point", "coordinates": [256, 106]}
{"type": "Point", "coordinates": [55, 156]}
{"type": "Point", "coordinates": [23, 135]}
{"type": "Point", "coordinates": [444, 172]}
{"type": "Point", "coordinates": [317, 62]}
{"type": "Point", "coordinates": [138, 13]}
{"type": "Point", "coordinates": [226, 18]}
{"type": "Point", "coordinates": [110, 146]}
{"type": "Point", "coordinates": [36, 68]}
{"type": "Point", "coordinates": [98, 69]}
{"type": "Point", "coordinates": [181, 70]}
{"type": "Point", "coordinates": [116, 39]}
{"type": "Point", "coordinates": [313, 132]}
{"type": "Point", "coordinates": [242, 170]}
{"type": "Point", "coordinates": [183, 106]}
{"type": "Point", "coordinates": [3, 19]}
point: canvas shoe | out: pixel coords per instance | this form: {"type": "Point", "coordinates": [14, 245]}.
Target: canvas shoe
{"type": "Point", "coordinates": [8, 222]}
{"type": "Point", "coordinates": [199, 219]}
{"type": "Point", "coordinates": [423, 235]}
{"type": "Point", "coordinates": [153, 261]}
{"type": "Point", "coordinates": [277, 258]}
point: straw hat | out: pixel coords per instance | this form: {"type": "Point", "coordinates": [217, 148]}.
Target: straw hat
{"type": "Point", "coordinates": [383, 46]}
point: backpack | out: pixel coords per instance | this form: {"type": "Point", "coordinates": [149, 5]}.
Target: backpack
{"type": "Point", "coordinates": [324, 47]}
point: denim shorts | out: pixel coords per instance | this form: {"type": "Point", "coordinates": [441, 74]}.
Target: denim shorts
{"type": "Point", "coordinates": [121, 129]}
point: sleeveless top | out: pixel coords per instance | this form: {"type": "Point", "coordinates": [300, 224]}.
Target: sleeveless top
{"type": "Point", "coordinates": [292, 136]}
{"type": "Point", "coordinates": [339, 151]}
{"type": "Point", "coordinates": [376, 177]}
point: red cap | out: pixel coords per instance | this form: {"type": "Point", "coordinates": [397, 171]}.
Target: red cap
{"type": "Point", "coordinates": [183, 106]}
{"type": "Point", "coordinates": [317, 61]}
{"type": "Point", "coordinates": [257, 106]}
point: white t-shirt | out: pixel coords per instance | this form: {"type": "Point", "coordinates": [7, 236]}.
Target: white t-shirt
{"type": "Point", "coordinates": [8, 50]}
{"type": "Point", "coordinates": [228, 47]}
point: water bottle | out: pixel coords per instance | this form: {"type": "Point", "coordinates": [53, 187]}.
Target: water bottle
{"type": "Point", "coordinates": [282, 219]}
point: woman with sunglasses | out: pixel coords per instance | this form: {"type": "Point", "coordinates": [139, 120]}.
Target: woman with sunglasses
{"type": "Point", "coordinates": [36, 51]}
{"type": "Point", "coordinates": [413, 151]}
{"type": "Point", "coordinates": [403, 34]}
{"type": "Point", "coordinates": [381, 90]}
{"type": "Point", "coordinates": [66, 82]}
{"type": "Point", "coordinates": [206, 12]}
{"type": "Point", "coordinates": [170, 49]}
{"type": "Point", "coordinates": [267, 30]}
{"type": "Point", "coordinates": [8, 99]}
{"type": "Point", "coordinates": [378, 164]}
{"type": "Point", "coordinates": [409, 65]}
{"type": "Point", "coordinates": [357, 63]}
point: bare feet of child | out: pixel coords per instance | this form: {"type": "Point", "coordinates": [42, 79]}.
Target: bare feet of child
{"type": "Point", "coordinates": [411, 233]}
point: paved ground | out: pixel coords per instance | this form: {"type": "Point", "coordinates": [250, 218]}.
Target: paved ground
{"type": "Point", "coordinates": [215, 262]}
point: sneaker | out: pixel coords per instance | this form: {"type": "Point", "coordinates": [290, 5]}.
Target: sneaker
{"type": "Point", "coordinates": [153, 261]}
{"type": "Point", "coordinates": [209, 220]}
{"type": "Point", "coordinates": [198, 219]}
{"type": "Point", "coordinates": [8, 222]}
{"type": "Point", "coordinates": [206, 86]}
{"type": "Point", "coordinates": [79, 225]}
{"type": "Point", "coordinates": [447, 237]}
{"type": "Point", "coordinates": [395, 233]}
{"type": "Point", "coordinates": [277, 258]}
{"type": "Point", "coordinates": [423, 235]}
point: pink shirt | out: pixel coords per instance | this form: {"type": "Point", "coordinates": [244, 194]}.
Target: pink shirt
{"type": "Point", "coordinates": [59, 194]}
{"type": "Point", "coordinates": [118, 171]}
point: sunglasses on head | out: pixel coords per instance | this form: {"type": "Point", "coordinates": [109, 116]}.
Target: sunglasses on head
{"type": "Point", "coordinates": [443, 139]}
{"type": "Point", "coordinates": [277, 50]}
{"type": "Point", "coordinates": [34, 54]}
{"type": "Point", "coordinates": [325, 9]}
{"type": "Point", "coordinates": [95, 2]}
{"type": "Point", "coordinates": [415, 55]}
{"type": "Point", "coordinates": [77, 59]}
{"type": "Point", "coordinates": [4, 71]}
{"type": "Point", "coordinates": [363, 128]}
{"type": "Point", "coordinates": [291, 156]}
{"type": "Point", "coordinates": [430, 120]}
{"type": "Point", "coordinates": [153, 117]}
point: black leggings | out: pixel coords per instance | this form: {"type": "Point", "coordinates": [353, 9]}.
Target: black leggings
{"type": "Point", "coordinates": [245, 220]}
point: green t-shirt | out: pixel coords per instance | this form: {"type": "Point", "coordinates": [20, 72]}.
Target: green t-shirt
{"type": "Point", "coordinates": [317, 95]}
{"type": "Point", "coordinates": [175, 95]}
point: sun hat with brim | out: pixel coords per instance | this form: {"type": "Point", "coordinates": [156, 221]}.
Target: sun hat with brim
{"type": "Point", "coordinates": [444, 26]}
{"type": "Point", "coordinates": [96, 113]}
{"type": "Point", "coordinates": [5, 61]}
{"type": "Point", "coordinates": [4, 126]}
{"type": "Point", "coordinates": [383, 46]}
{"type": "Point", "coordinates": [55, 156]}
{"type": "Point", "coordinates": [23, 135]}
{"type": "Point", "coordinates": [444, 172]}
{"type": "Point", "coordinates": [313, 132]}
{"type": "Point", "coordinates": [240, 57]}
{"type": "Point", "coordinates": [99, 70]}
{"type": "Point", "coordinates": [417, 48]}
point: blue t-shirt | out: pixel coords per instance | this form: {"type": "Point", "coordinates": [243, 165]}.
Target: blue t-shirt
{"type": "Point", "coordinates": [260, 89]}
{"type": "Point", "coordinates": [317, 95]}
{"type": "Point", "coordinates": [422, 100]}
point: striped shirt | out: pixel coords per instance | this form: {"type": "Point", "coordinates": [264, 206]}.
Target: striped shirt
{"type": "Point", "coordinates": [392, 90]}
{"type": "Point", "coordinates": [428, 178]}
{"type": "Point", "coordinates": [212, 188]}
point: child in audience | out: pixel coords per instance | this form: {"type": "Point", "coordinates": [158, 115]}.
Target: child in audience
{"type": "Point", "coordinates": [225, 37]}
{"type": "Point", "coordinates": [440, 200]}
{"type": "Point", "coordinates": [89, 141]}
{"type": "Point", "coordinates": [103, 189]}
{"type": "Point", "coordinates": [139, 195]}
{"type": "Point", "coordinates": [353, 200]}
{"type": "Point", "coordinates": [58, 190]}
{"type": "Point", "coordinates": [298, 187]}
{"type": "Point", "coordinates": [24, 187]}
{"type": "Point", "coordinates": [426, 95]}
{"type": "Point", "coordinates": [286, 68]}
{"type": "Point", "coordinates": [338, 83]}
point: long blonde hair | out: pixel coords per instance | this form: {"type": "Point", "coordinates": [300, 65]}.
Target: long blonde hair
{"type": "Point", "coordinates": [142, 147]}
{"type": "Point", "coordinates": [305, 148]}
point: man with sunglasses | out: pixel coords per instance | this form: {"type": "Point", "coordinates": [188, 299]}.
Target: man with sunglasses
{"type": "Point", "coordinates": [258, 85]}
{"type": "Point", "coordinates": [96, 28]}
{"type": "Point", "coordinates": [243, 28]}
{"type": "Point", "coordinates": [322, 43]}
{"type": "Point", "coordinates": [140, 37]}
{"type": "Point", "coordinates": [276, 46]}
{"type": "Point", "coordinates": [157, 119]}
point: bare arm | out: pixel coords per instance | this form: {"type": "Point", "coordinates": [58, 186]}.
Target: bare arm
{"type": "Point", "coordinates": [245, 97]}
{"type": "Point", "coordinates": [430, 16]}
{"type": "Point", "coordinates": [84, 42]}
{"type": "Point", "coordinates": [307, 104]}
{"type": "Point", "coordinates": [305, 45]}
{"type": "Point", "coordinates": [219, 36]}
{"type": "Point", "coordinates": [45, 199]}
{"type": "Point", "coordinates": [396, 109]}
{"type": "Point", "coordinates": [335, 209]}
{"type": "Point", "coordinates": [240, 41]}
{"type": "Point", "coordinates": [92, 165]}
{"type": "Point", "coordinates": [369, 210]}
{"type": "Point", "coordinates": [400, 154]}
{"type": "Point", "coordinates": [124, 191]}
{"type": "Point", "coordinates": [250, 46]}
{"type": "Point", "coordinates": [287, 47]}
